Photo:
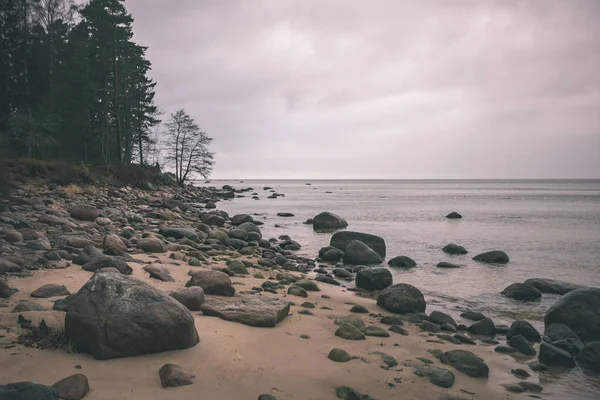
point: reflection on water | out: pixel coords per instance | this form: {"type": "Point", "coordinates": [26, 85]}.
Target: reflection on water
{"type": "Point", "coordinates": [550, 229]}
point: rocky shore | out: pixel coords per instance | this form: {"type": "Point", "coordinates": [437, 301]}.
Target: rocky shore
{"type": "Point", "coordinates": [110, 292]}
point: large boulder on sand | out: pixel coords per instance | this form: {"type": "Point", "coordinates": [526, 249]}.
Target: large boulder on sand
{"type": "Point", "coordinates": [327, 221]}
{"type": "Point", "coordinates": [192, 297]}
{"type": "Point", "coordinates": [580, 311]}
{"type": "Point", "coordinates": [358, 253]}
{"type": "Point", "coordinates": [402, 298]}
{"type": "Point", "coordinates": [212, 282]}
{"type": "Point", "coordinates": [252, 311]}
{"type": "Point", "coordinates": [113, 315]}
{"type": "Point", "coordinates": [374, 278]}
{"type": "Point", "coordinates": [342, 239]}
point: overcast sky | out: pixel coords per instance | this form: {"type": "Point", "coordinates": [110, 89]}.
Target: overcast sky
{"type": "Point", "coordinates": [383, 88]}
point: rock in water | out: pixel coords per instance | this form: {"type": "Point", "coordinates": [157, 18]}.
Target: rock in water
{"type": "Point", "coordinates": [454, 249]}
{"type": "Point", "coordinates": [50, 290]}
{"type": "Point", "coordinates": [580, 311]}
{"type": "Point", "coordinates": [454, 215]}
{"type": "Point", "coordinates": [525, 329]}
{"type": "Point", "coordinates": [444, 264]}
{"type": "Point", "coordinates": [172, 375]}
{"type": "Point", "coordinates": [113, 315]}
{"type": "Point", "coordinates": [589, 356]}
{"type": "Point", "coordinates": [466, 362]}
{"type": "Point", "coordinates": [492, 257]}
{"type": "Point", "coordinates": [402, 298]}
{"type": "Point", "coordinates": [191, 297]}
{"type": "Point", "coordinates": [555, 356]}
{"type": "Point", "coordinates": [74, 387]}
{"type": "Point", "coordinates": [552, 286]}
{"type": "Point", "coordinates": [358, 253]}
{"type": "Point", "coordinates": [522, 292]}
{"type": "Point", "coordinates": [252, 311]}
{"type": "Point", "coordinates": [327, 221]}
{"type": "Point", "coordinates": [402, 262]}
{"type": "Point", "coordinates": [374, 279]}
{"type": "Point", "coordinates": [27, 391]}
{"type": "Point", "coordinates": [212, 282]}
{"type": "Point", "coordinates": [341, 240]}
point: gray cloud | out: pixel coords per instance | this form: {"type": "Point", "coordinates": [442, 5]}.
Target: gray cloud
{"type": "Point", "coordinates": [383, 89]}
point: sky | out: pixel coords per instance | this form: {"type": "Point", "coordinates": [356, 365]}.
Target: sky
{"type": "Point", "coordinates": [383, 89]}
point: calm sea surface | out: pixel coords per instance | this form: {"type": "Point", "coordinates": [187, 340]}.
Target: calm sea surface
{"type": "Point", "coordinates": [550, 229]}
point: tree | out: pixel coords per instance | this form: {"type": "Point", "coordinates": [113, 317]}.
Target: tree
{"type": "Point", "coordinates": [187, 147]}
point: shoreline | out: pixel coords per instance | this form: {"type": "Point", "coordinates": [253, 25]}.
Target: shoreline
{"type": "Point", "coordinates": [233, 360]}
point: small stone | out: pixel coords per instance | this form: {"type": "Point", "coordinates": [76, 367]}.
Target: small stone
{"type": "Point", "coordinates": [357, 308]}
{"type": "Point", "coordinates": [376, 331]}
{"type": "Point", "coordinates": [74, 387]}
{"type": "Point", "coordinates": [307, 304]}
{"type": "Point", "coordinates": [297, 291]}
{"type": "Point", "coordinates": [172, 375]}
{"type": "Point", "coordinates": [520, 373]}
{"type": "Point", "coordinates": [391, 320]}
{"type": "Point", "coordinates": [531, 387]}
{"type": "Point", "coordinates": [513, 387]}
{"type": "Point", "coordinates": [398, 329]}
{"type": "Point", "coordinates": [339, 355]}
{"type": "Point", "coordinates": [264, 396]}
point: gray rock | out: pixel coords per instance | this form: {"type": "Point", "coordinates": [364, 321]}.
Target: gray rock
{"type": "Point", "coordinates": [557, 332]}
{"type": "Point", "coordinates": [297, 291]}
{"type": "Point", "coordinates": [8, 266]}
{"type": "Point", "coordinates": [473, 316]}
{"type": "Point", "coordinates": [359, 309]}
{"type": "Point", "coordinates": [238, 267]}
{"type": "Point", "coordinates": [555, 356]}
{"type": "Point", "coordinates": [351, 320]}
{"type": "Point", "coordinates": [429, 326]}
{"type": "Point", "coordinates": [84, 212]}
{"type": "Point", "coordinates": [580, 311]}
{"type": "Point", "coordinates": [440, 318]}
{"type": "Point", "coordinates": [50, 290]}
{"type": "Point", "coordinates": [267, 397]}
{"type": "Point", "coordinates": [522, 345]}
{"type": "Point", "coordinates": [250, 227]}
{"type": "Point", "coordinates": [454, 215]}
{"type": "Point", "coordinates": [241, 218]}
{"type": "Point", "coordinates": [113, 315]}
{"type": "Point", "coordinates": [374, 278]}
{"type": "Point", "coordinates": [520, 373]}
{"type": "Point", "coordinates": [589, 357]}
{"type": "Point", "coordinates": [252, 311]}
{"type": "Point", "coordinates": [350, 332]}
{"type": "Point", "coordinates": [308, 285]}
{"type": "Point", "coordinates": [102, 261]}
{"type": "Point", "coordinates": [191, 297]}
{"type": "Point", "coordinates": [348, 393]}
{"type": "Point", "coordinates": [522, 292]}
{"type": "Point", "coordinates": [402, 298]}
{"type": "Point", "coordinates": [525, 329]}
{"type": "Point", "coordinates": [402, 262]}
{"type": "Point", "coordinates": [376, 331]}
{"type": "Point", "coordinates": [391, 320]}
{"type": "Point", "coordinates": [27, 305]}
{"type": "Point", "coordinates": [339, 355]}
{"type": "Point", "coordinates": [160, 272]}
{"type": "Point", "coordinates": [5, 290]}
{"type": "Point", "coordinates": [27, 391]}
{"type": "Point", "coordinates": [172, 375]}
{"type": "Point", "coordinates": [552, 286]}
{"type": "Point", "coordinates": [466, 362]}
{"type": "Point", "coordinates": [212, 282]}
{"type": "Point", "coordinates": [483, 327]}
{"type": "Point", "coordinates": [342, 239]}
{"type": "Point", "coordinates": [74, 387]}
{"type": "Point", "coordinates": [438, 376]}
{"type": "Point", "coordinates": [493, 257]}
{"type": "Point", "coordinates": [454, 249]}
{"type": "Point", "coordinates": [530, 387]}
{"type": "Point", "coordinates": [447, 265]}
{"type": "Point", "coordinates": [358, 253]}
{"type": "Point", "coordinates": [178, 233]}
{"type": "Point", "coordinates": [151, 245]}
{"type": "Point", "coordinates": [537, 366]}
{"type": "Point", "coordinates": [327, 221]}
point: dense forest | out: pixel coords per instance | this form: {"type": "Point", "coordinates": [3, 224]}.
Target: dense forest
{"type": "Point", "coordinates": [75, 86]}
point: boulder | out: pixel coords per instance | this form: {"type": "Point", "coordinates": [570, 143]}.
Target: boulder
{"type": "Point", "coordinates": [5, 290]}
{"type": "Point", "coordinates": [374, 278]}
{"type": "Point", "coordinates": [113, 243]}
{"type": "Point", "coordinates": [252, 311]}
{"type": "Point", "coordinates": [74, 387]}
{"type": "Point", "coordinates": [27, 391]}
{"type": "Point", "coordinates": [552, 286]}
{"type": "Point", "coordinates": [454, 215]}
{"type": "Point", "coordinates": [580, 311]}
{"type": "Point", "coordinates": [191, 297]}
{"type": "Point", "coordinates": [27, 305]}
{"type": "Point", "coordinates": [241, 218]}
{"type": "Point", "coordinates": [151, 245]}
{"type": "Point", "coordinates": [308, 285]}
{"type": "Point", "coordinates": [560, 332]}
{"type": "Point", "coordinates": [473, 315]}
{"type": "Point", "coordinates": [554, 356]}
{"type": "Point", "coordinates": [160, 272]}
{"type": "Point", "coordinates": [113, 315]}
{"type": "Point", "coordinates": [250, 227]}
{"type": "Point", "coordinates": [358, 253]}
{"type": "Point", "coordinates": [178, 233]}
{"type": "Point", "coordinates": [589, 357]}
{"type": "Point", "coordinates": [172, 375]}
{"type": "Point", "coordinates": [402, 298]}
{"type": "Point", "coordinates": [493, 257]}
{"type": "Point", "coordinates": [342, 239]}
{"type": "Point", "coordinates": [466, 362]}
{"type": "Point", "coordinates": [438, 376]}
{"type": "Point", "coordinates": [327, 221]}
{"type": "Point", "coordinates": [238, 267]}
{"type": "Point", "coordinates": [84, 212]}
{"type": "Point", "coordinates": [349, 332]}
{"type": "Point", "coordinates": [8, 266]}
{"type": "Point", "coordinates": [454, 249]}
{"type": "Point", "coordinates": [440, 318]}
{"type": "Point", "coordinates": [483, 327]}
{"type": "Point", "coordinates": [50, 290]}
{"type": "Point", "coordinates": [339, 355]}
{"type": "Point", "coordinates": [80, 242]}
{"type": "Point", "coordinates": [522, 345]}
{"type": "Point", "coordinates": [297, 291]}
{"type": "Point", "coordinates": [522, 292]}
{"type": "Point", "coordinates": [100, 262]}
{"type": "Point", "coordinates": [212, 282]}
{"type": "Point", "coordinates": [402, 262]}
{"type": "Point", "coordinates": [525, 329]}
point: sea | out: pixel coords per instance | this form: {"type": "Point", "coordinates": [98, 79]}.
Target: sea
{"type": "Point", "coordinates": [549, 229]}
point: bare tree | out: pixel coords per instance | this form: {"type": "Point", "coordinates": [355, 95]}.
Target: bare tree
{"type": "Point", "coordinates": [187, 147]}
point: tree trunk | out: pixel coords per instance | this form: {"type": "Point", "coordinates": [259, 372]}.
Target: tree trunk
{"type": "Point", "coordinates": [116, 102]}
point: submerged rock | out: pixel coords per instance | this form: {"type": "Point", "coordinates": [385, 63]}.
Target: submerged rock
{"type": "Point", "coordinates": [522, 292]}
{"type": "Point", "coordinates": [113, 315]}
{"type": "Point", "coordinates": [454, 249]}
{"type": "Point", "coordinates": [493, 257]}
{"type": "Point", "coordinates": [402, 262]}
{"type": "Point", "coordinates": [454, 215]}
